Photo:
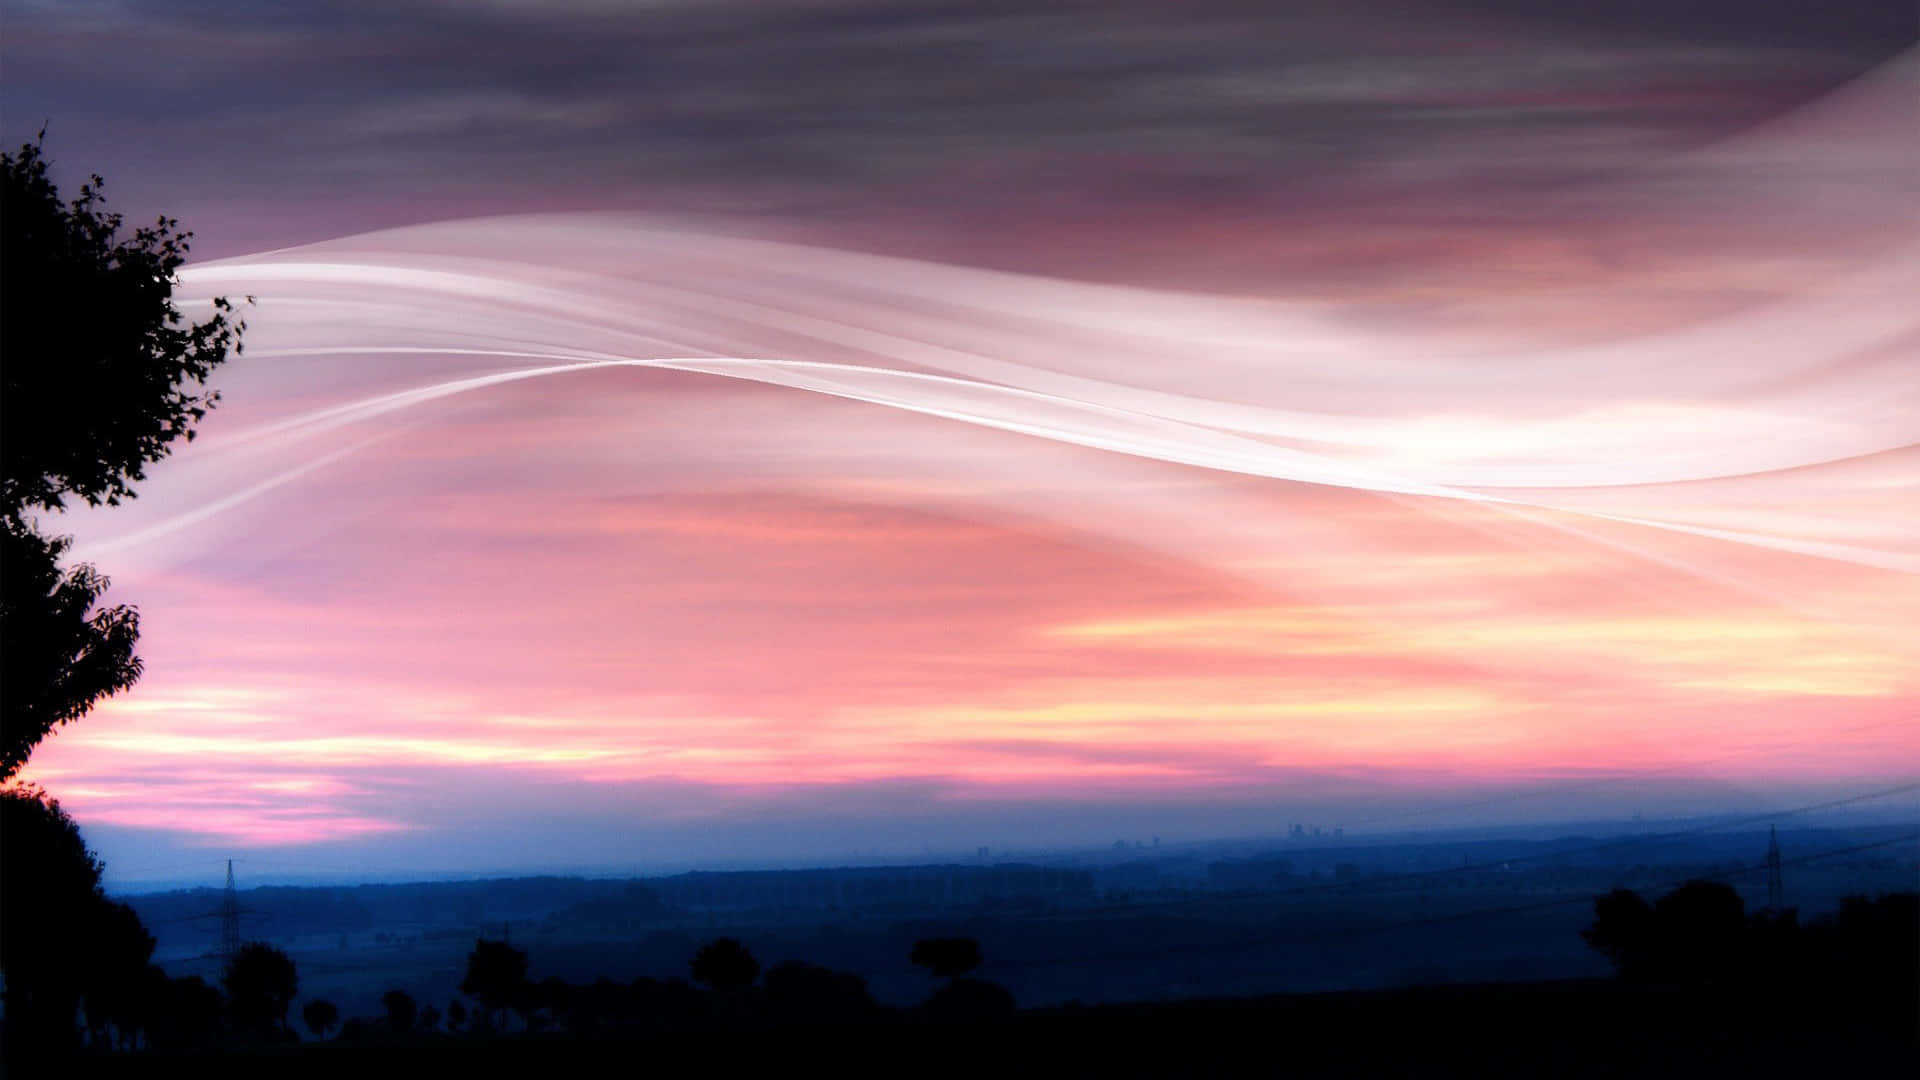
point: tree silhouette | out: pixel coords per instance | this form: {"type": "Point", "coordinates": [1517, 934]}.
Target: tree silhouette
{"type": "Point", "coordinates": [401, 1011]}
{"type": "Point", "coordinates": [58, 656]}
{"type": "Point", "coordinates": [1880, 932]}
{"type": "Point", "coordinates": [1623, 932]}
{"type": "Point", "coordinates": [725, 965]}
{"type": "Point", "coordinates": [1702, 930]}
{"type": "Point", "coordinates": [261, 984]}
{"type": "Point", "coordinates": [113, 954]}
{"type": "Point", "coordinates": [946, 958]}
{"type": "Point", "coordinates": [456, 1015]}
{"type": "Point", "coordinates": [99, 374]}
{"type": "Point", "coordinates": [1696, 931]}
{"type": "Point", "coordinates": [103, 372]}
{"type": "Point", "coordinates": [62, 942]}
{"type": "Point", "coordinates": [321, 1016]}
{"type": "Point", "coordinates": [429, 1019]}
{"type": "Point", "coordinates": [496, 977]}
{"type": "Point", "coordinates": [190, 1017]}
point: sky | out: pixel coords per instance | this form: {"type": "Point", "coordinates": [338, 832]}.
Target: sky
{"type": "Point", "coordinates": [712, 433]}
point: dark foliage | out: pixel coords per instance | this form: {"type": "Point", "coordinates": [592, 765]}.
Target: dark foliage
{"type": "Point", "coordinates": [1702, 931]}
{"type": "Point", "coordinates": [402, 1010]}
{"type": "Point", "coordinates": [99, 374]}
{"type": "Point", "coordinates": [67, 950]}
{"type": "Point", "coordinates": [666, 1003]}
{"type": "Point", "coordinates": [321, 1016]}
{"type": "Point", "coordinates": [496, 977]}
{"type": "Point", "coordinates": [725, 965]}
{"type": "Point", "coordinates": [1623, 932]}
{"type": "Point", "coordinates": [102, 372]}
{"type": "Point", "coordinates": [261, 985]}
{"type": "Point", "coordinates": [58, 656]}
{"type": "Point", "coordinates": [456, 1015]}
{"type": "Point", "coordinates": [1702, 928]}
{"type": "Point", "coordinates": [946, 957]}
{"type": "Point", "coordinates": [803, 993]}
{"type": "Point", "coordinates": [1697, 931]}
{"type": "Point", "coordinates": [189, 1018]}
{"type": "Point", "coordinates": [1583, 1028]}
{"type": "Point", "coordinates": [969, 1001]}
{"type": "Point", "coordinates": [113, 961]}
{"type": "Point", "coordinates": [1870, 934]}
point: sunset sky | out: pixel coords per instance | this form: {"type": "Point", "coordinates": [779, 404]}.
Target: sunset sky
{"type": "Point", "coordinates": [1085, 422]}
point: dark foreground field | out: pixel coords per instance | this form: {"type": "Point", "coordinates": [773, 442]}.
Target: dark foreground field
{"type": "Point", "coordinates": [1579, 1028]}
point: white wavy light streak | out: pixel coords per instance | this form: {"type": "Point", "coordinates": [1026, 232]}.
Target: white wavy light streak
{"type": "Point", "coordinates": [1790, 427]}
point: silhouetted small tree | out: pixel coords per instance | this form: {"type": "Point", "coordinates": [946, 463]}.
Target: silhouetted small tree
{"type": "Point", "coordinates": [496, 977]}
{"type": "Point", "coordinates": [946, 957]}
{"type": "Point", "coordinates": [321, 1016]}
{"type": "Point", "coordinates": [401, 1011]}
{"type": "Point", "coordinates": [1702, 930]}
{"type": "Point", "coordinates": [456, 1015]}
{"type": "Point", "coordinates": [725, 965]}
{"type": "Point", "coordinates": [429, 1020]}
{"type": "Point", "coordinates": [261, 985]}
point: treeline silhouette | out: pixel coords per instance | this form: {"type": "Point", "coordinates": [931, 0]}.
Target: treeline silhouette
{"type": "Point", "coordinates": [1701, 931]}
{"type": "Point", "coordinates": [726, 986]}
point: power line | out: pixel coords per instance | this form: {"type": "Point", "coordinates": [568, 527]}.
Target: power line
{"type": "Point", "coordinates": [1562, 789]}
{"type": "Point", "coordinates": [229, 913]}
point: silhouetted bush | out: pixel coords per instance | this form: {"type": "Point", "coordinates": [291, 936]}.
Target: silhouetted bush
{"type": "Point", "coordinates": [946, 957]}
{"type": "Point", "coordinates": [190, 1016]}
{"type": "Point", "coordinates": [321, 1016]}
{"type": "Point", "coordinates": [969, 1001]}
{"type": "Point", "coordinates": [725, 965]}
{"type": "Point", "coordinates": [797, 992]}
{"type": "Point", "coordinates": [1877, 934]}
{"type": "Point", "coordinates": [1695, 931]}
{"type": "Point", "coordinates": [401, 1011]}
{"type": "Point", "coordinates": [667, 1003]}
{"type": "Point", "coordinates": [1701, 930]}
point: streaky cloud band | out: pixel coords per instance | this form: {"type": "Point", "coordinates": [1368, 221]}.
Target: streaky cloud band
{"type": "Point", "coordinates": [1789, 426]}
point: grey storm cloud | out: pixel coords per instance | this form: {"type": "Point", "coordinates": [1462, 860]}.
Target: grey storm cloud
{"type": "Point", "coordinates": [947, 103]}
